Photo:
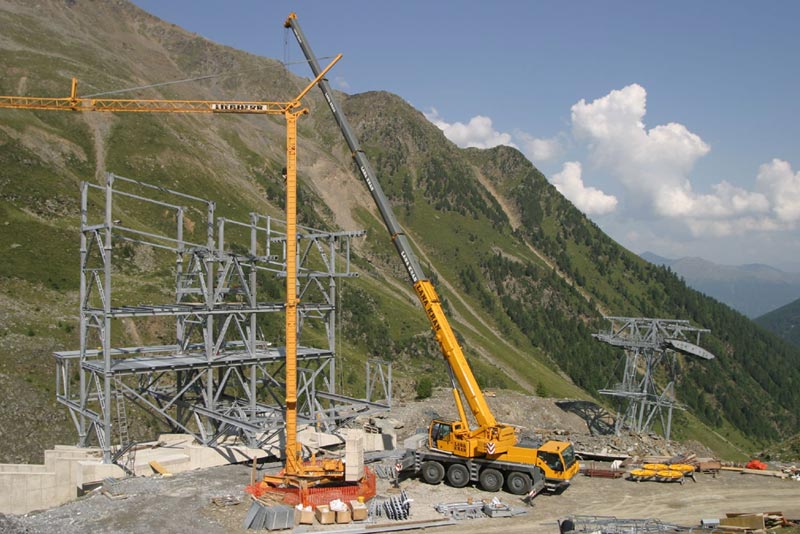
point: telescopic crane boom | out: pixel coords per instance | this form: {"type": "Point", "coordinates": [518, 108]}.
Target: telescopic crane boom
{"type": "Point", "coordinates": [453, 354]}
{"type": "Point", "coordinates": [489, 453]}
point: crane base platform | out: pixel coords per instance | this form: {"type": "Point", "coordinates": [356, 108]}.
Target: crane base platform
{"type": "Point", "coordinates": [316, 495]}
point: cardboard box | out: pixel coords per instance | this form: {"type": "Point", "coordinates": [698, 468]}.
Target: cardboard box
{"type": "Point", "coordinates": [304, 517]}
{"type": "Point", "coordinates": [343, 516]}
{"type": "Point", "coordinates": [358, 510]}
{"type": "Point", "coordinates": [325, 516]}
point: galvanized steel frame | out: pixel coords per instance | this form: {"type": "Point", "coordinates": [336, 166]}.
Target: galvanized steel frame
{"type": "Point", "coordinates": [379, 380]}
{"type": "Point", "coordinates": [646, 342]}
{"type": "Point", "coordinates": [221, 376]}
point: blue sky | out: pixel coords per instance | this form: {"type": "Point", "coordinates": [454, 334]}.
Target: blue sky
{"type": "Point", "coordinates": [673, 125]}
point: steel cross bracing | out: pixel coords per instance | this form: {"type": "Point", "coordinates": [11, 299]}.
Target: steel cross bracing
{"type": "Point", "coordinates": [379, 380]}
{"type": "Point", "coordinates": [223, 375]}
{"type": "Point", "coordinates": [647, 390]}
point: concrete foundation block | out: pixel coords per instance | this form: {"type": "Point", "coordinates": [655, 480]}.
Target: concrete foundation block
{"type": "Point", "coordinates": [172, 440]}
{"type": "Point", "coordinates": [312, 438]}
{"type": "Point", "coordinates": [28, 487]}
{"type": "Point", "coordinates": [25, 490]}
{"type": "Point", "coordinates": [91, 472]}
{"type": "Point", "coordinates": [202, 456]}
{"type": "Point", "coordinates": [354, 457]}
{"type": "Point", "coordinates": [171, 460]}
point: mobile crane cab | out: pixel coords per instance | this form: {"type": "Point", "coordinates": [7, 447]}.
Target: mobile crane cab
{"type": "Point", "coordinates": [555, 461]}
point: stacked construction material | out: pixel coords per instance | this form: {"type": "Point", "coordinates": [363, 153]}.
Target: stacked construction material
{"type": "Point", "coordinates": [737, 522]}
{"type": "Point", "coordinates": [397, 507]}
{"type": "Point", "coordinates": [461, 510]}
{"type": "Point", "coordinates": [274, 517]}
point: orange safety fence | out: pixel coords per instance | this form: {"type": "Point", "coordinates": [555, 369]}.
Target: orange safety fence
{"type": "Point", "coordinates": [317, 495]}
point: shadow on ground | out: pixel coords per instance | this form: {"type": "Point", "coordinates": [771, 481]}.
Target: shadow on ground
{"type": "Point", "coordinates": [598, 420]}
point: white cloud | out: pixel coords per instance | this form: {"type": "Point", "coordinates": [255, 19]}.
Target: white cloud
{"type": "Point", "coordinates": [539, 150]}
{"type": "Point", "coordinates": [589, 200]}
{"type": "Point", "coordinates": [478, 132]}
{"type": "Point", "coordinates": [654, 165]}
{"type": "Point", "coordinates": [782, 186]}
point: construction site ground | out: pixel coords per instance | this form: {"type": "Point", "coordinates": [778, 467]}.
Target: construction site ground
{"type": "Point", "coordinates": [201, 501]}
{"type": "Point", "coordinates": [184, 503]}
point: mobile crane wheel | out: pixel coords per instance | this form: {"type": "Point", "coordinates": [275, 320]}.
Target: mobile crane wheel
{"type": "Point", "coordinates": [432, 472]}
{"type": "Point", "coordinates": [518, 483]}
{"type": "Point", "coordinates": [491, 479]}
{"type": "Point", "coordinates": [458, 475]}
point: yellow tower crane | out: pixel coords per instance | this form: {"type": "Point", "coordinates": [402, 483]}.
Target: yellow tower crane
{"type": "Point", "coordinates": [295, 469]}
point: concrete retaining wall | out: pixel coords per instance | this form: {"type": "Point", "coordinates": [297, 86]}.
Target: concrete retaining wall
{"type": "Point", "coordinates": [24, 490]}
{"type": "Point", "coordinates": [66, 470]}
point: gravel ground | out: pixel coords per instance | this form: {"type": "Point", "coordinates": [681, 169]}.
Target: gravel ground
{"type": "Point", "coordinates": [183, 503]}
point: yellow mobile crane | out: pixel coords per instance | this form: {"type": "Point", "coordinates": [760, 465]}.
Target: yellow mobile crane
{"type": "Point", "coordinates": [296, 471]}
{"type": "Point", "coordinates": [490, 453]}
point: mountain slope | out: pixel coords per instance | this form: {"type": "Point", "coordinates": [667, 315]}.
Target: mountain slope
{"type": "Point", "coordinates": [752, 289]}
{"type": "Point", "coordinates": [525, 276]}
{"type": "Point", "coordinates": [784, 322]}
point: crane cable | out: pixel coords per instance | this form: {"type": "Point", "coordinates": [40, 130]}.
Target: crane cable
{"type": "Point", "coordinates": [285, 45]}
{"type": "Point", "coordinates": [186, 80]}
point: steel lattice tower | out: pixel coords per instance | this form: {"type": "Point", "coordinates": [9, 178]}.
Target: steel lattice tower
{"type": "Point", "coordinates": [222, 375]}
{"type": "Point", "coordinates": [650, 345]}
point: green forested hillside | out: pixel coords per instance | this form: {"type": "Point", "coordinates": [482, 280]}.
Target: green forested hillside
{"type": "Point", "coordinates": [525, 277]}
{"type": "Point", "coordinates": [784, 322]}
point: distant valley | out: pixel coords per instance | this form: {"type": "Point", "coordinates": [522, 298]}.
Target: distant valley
{"type": "Point", "coordinates": [753, 289]}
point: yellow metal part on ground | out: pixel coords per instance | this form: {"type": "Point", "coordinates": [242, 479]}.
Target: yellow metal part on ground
{"type": "Point", "coordinates": [655, 467]}
{"type": "Point", "coordinates": [683, 468]}
{"type": "Point", "coordinates": [669, 474]}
